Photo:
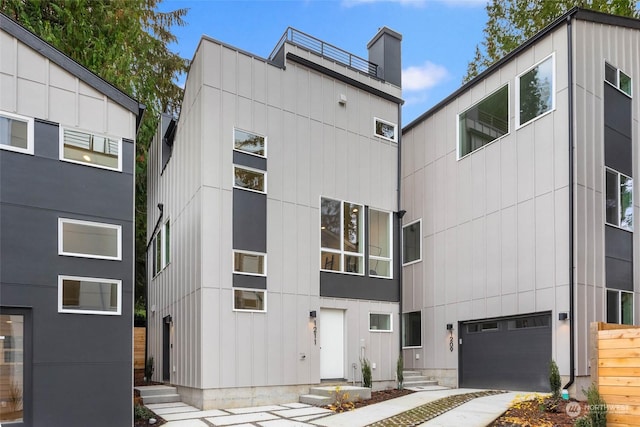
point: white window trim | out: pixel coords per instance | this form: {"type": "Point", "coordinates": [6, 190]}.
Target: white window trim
{"type": "Point", "coordinates": [381, 330]}
{"type": "Point", "coordinates": [62, 278]}
{"type": "Point", "coordinates": [473, 105]}
{"type": "Point", "coordinates": [379, 258]}
{"type": "Point", "coordinates": [617, 85]}
{"type": "Point", "coordinates": [243, 310]}
{"type": "Point", "coordinates": [553, 91]}
{"type": "Point", "coordinates": [233, 142]}
{"type": "Point", "coordinates": [62, 221]}
{"type": "Point", "coordinates": [341, 251]}
{"type": "Point", "coordinates": [233, 177]}
{"type": "Point", "coordinates": [608, 169]}
{"type": "Point", "coordinates": [30, 138]}
{"type": "Point", "coordinates": [620, 292]}
{"type": "Point", "coordinates": [395, 129]}
{"type": "Point", "coordinates": [402, 243]}
{"type": "Point", "coordinates": [264, 262]}
{"type": "Point", "coordinates": [93, 165]}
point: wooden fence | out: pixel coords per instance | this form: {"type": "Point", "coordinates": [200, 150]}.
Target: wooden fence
{"type": "Point", "coordinates": [616, 371]}
{"type": "Point", "coordinates": [138, 347]}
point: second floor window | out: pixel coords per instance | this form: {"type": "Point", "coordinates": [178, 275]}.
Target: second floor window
{"type": "Point", "coordinates": [341, 231]}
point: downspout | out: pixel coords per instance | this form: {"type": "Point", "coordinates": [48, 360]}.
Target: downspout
{"type": "Point", "coordinates": [400, 214]}
{"type": "Point", "coordinates": [571, 208]}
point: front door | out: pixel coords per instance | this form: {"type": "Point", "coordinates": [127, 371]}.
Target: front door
{"type": "Point", "coordinates": [15, 366]}
{"type": "Point", "coordinates": [331, 344]}
{"type": "Point", "coordinates": [166, 349]}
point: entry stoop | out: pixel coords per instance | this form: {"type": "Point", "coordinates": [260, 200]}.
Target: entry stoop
{"type": "Point", "coordinates": [158, 394]}
{"type": "Point", "coordinates": [326, 395]}
{"type": "Point", "coordinates": [416, 379]}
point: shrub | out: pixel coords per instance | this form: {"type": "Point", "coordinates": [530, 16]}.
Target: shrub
{"type": "Point", "coordinates": [400, 371]}
{"type": "Point", "coordinates": [597, 407]}
{"type": "Point", "coordinates": [366, 372]}
{"type": "Point", "coordinates": [148, 369]}
{"type": "Point", "coordinates": [342, 403]}
{"type": "Point", "coordinates": [142, 413]}
{"type": "Point", "coordinates": [554, 379]}
{"type": "Point", "coordinates": [582, 422]}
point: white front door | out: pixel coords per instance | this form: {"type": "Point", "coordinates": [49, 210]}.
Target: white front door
{"type": "Point", "coordinates": [331, 343]}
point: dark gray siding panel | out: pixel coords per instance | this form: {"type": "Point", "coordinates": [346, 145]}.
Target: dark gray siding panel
{"type": "Point", "coordinates": [243, 159]}
{"type": "Point", "coordinates": [618, 258]}
{"type": "Point", "coordinates": [49, 132]}
{"type": "Point", "coordinates": [618, 243]}
{"type": "Point", "coordinates": [617, 151]}
{"type": "Point", "coordinates": [617, 110]}
{"type": "Point", "coordinates": [249, 220]}
{"type": "Point", "coordinates": [244, 281]}
{"type": "Point", "coordinates": [619, 274]}
{"type": "Point", "coordinates": [340, 285]}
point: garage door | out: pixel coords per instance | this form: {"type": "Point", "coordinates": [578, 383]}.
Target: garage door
{"type": "Point", "coordinates": [506, 353]}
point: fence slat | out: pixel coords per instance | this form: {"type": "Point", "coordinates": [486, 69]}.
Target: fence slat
{"type": "Point", "coordinates": [138, 347]}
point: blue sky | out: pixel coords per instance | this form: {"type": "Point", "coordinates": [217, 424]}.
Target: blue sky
{"type": "Point", "coordinates": [439, 36]}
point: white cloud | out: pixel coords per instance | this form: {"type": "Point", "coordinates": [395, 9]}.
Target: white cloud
{"type": "Point", "coordinates": [423, 77]}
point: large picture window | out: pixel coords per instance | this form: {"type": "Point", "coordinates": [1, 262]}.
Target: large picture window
{"type": "Point", "coordinates": [412, 329]}
{"type": "Point", "coordinates": [249, 300]}
{"type": "Point", "coordinates": [16, 133]}
{"type": "Point", "coordinates": [89, 149]}
{"type": "Point", "coordinates": [619, 199]}
{"type": "Point", "coordinates": [249, 143]}
{"type": "Point", "coordinates": [412, 242]}
{"type": "Point", "coordinates": [619, 307]}
{"type": "Point", "coordinates": [483, 123]}
{"type": "Point", "coordinates": [380, 246]}
{"type": "Point", "coordinates": [617, 79]}
{"type": "Point", "coordinates": [86, 295]}
{"type": "Point", "coordinates": [89, 239]}
{"type": "Point", "coordinates": [536, 91]}
{"type": "Point", "coordinates": [341, 231]}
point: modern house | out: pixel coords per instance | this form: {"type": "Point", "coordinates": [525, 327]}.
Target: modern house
{"type": "Point", "coordinates": [67, 148]}
{"type": "Point", "coordinates": [520, 207]}
{"type": "Point", "coordinates": [272, 225]}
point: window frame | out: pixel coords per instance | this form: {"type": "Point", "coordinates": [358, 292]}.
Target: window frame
{"type": "Point", "coordinates": [395, 129]}
{"type": "Point", "coordinates": [377, 313]}
{"type": "Point", "coordinates": [404, 264]}
{"type": "Point", "coordinates": [247, 168]}
{"type": "Point", "coordinates": [165, 257]}
{"type": "Point", "coordinates": [407, 347]}
{"type": "Point", "coordinates": [508, 86]}
{"type": "Point", "coordinates": [62, 310]}
{"type": "Point", "coordinates": [390, 237]}
{"type": "Point", "coordinates": [93, 165]}
{"type": "Point", "coordinates": [264, 137]}
{"type": "Point", "coordinates": [617, 82]}
{"type": "Point", "coordinates": [117, 227]}
{"type": "Point", "coordinates": [619, 293]}
{"type": "Point", "coordinates": [264, 262]}
{"type": "Point", "coordinates": [342, 252]}
{"type": "Point", "coordinates": [520, 124]}
{"type": "Point", "coordinates": [244, 310]}
{"type": "Point", "coordinates": [618, 198]}
{"type": "Point", "coordinates": [30, 133]}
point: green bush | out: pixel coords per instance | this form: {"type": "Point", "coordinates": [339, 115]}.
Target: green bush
{"type": "Point", "coordinates": [554, 379]}
{"type": "Point", "coordinates": [597, 407]}
{"type": "Point", "coordinates": [400, 371]}
{"type": "Point", "coordinates": [366, 372]}
{"type": "Point", "coordinates": [142, 413]}
{"type": "Point", "coordinates": [582, 422]}
{"type": "Point", "coordinates": [148, 369]}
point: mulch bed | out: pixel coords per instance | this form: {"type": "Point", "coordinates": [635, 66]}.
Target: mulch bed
{"type": "Point", "coordinates": [532, 413]}
{"type": "Point", "coordinates": [381, 396]}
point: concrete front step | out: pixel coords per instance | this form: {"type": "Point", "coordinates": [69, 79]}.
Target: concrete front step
{"type": "Point", "coordinates": [315, 400]}
{"type": "Point", "coordinates": [415, 379]}
{"type": "Point", "coordinates": [326, 395]}
{"type": "Point", "coordinates": [158, 394]}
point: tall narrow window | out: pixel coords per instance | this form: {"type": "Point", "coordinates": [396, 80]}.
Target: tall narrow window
{"type": "Point", "coordinates": [619, 199]}
{"type": "Point", "coordinates": [536, 91]}
{"type": "Point", "coordinates": [341, 231]}
{"type": "Point", "coordinates": [249, 143]}
{"type": "Point", "coordinates": [16, 133]}
{"type": "Point", "coordinates": [12, 361]}
{"type": "Point", "coordinates": [412, 329]}
{"type": "Point", "coordinates": [89, 239]}
{"type": "Point", "coordinates": [483, 123]}
{"type": "Point", "coordinates": [86, 295]}
{"type": "Point", "coordinates": [412, 242]}
{"type": "Point", "coordinates": [380, 246]}
{"type": "Point", "coordinates": [161, 248]}
{"type": "Point", "coordinates": [90, 149]}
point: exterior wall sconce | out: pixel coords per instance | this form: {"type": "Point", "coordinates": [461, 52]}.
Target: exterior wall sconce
{"type": "Point", "coordinates": [563, 316]}
{"type": "Point", "coordinates": [312, 314]}
{"type": "Point", "coordinates": [342, 99]}
{"type": "Point", "coordinates": [450, 329]}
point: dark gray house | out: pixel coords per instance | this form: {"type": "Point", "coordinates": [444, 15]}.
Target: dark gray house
{"type": "Point", "coordinates": [67, 149]}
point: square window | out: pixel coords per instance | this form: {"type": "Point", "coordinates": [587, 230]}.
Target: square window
{"type": "Point", "coordinates": [412, 243]}
{"type": "Point", "coordinates": [249, 143]}
{"type": "Point", "coordinates": [536, 91]}
{"type": "Point", "coordinates": [249, 300]}
{"type": "Point", "coordinates": [386, 130]}
{"type": "Point", "coordinates": [251, 263]}
{"type": "Point", "coordinates": [483, 123]}
{"type": "Point", "coordinates": [89, 239]}
{"type": "Point", "coordinates": [86, 295]}
{"type": "Point", "coordinates": [90, 149]}
{"type": "Point", "coordinates": [249, 179]}
{"type": "Point", "coordinates": [16, 133]}
{"type": "Point", "coordinates": [412, 329]}
{"type": "Point", "coordinates": [380, 322]}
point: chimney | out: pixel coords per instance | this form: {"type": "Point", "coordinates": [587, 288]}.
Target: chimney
{"type": "Point", "coordinates": [385, 52]}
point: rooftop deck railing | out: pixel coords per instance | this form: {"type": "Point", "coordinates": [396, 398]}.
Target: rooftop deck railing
{"type": "Point", "coordinates": [326, 50]}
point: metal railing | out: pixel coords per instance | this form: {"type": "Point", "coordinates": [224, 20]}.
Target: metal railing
{"type": "Point", "coordinates": [326, 50]}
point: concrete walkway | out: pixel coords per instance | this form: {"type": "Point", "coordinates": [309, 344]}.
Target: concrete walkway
{"type": "Point", "coordinates": [478, 412]}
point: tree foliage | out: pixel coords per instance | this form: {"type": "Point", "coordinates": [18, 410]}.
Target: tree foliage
{"type": "Point", "coordinates": [511, 22]}
{"type": "Point", "coordinates": [126, 42]}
